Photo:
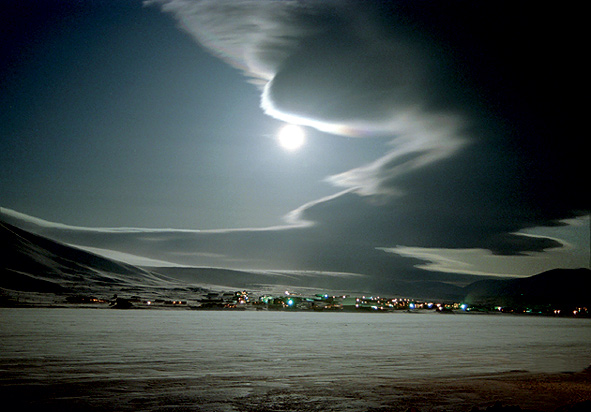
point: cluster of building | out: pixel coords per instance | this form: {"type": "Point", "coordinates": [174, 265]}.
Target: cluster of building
{"type": "Point", "coordinates": [290, 301]}
{"type": "Point", "coordinates": [241, 300]}
{"type": "Point", "coordinates": [325, 302]}
{"type": "Point", "coordinates": [225, 300]}
{"type": "Point", "coordinates": [317, 302]}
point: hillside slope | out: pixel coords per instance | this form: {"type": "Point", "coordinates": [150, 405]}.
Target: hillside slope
{"type": "Point", "coordinates": [33, 263]}
{"type": "Point", "coordinates": [557, 286]}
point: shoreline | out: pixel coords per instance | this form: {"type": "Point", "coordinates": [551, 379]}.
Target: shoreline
{"type": "Point", "coordinates": [190, 307]}
{"type": "Point", "coordinates": [187, 307]}
{"type": "Point", "coordinates": [289, 303]}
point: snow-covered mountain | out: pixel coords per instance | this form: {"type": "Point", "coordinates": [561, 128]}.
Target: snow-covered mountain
{"type": "Point", "coordinates": [33, 263]}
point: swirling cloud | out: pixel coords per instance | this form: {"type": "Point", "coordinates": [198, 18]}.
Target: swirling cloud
{"type": "Point", "coordinates": [468, 94]}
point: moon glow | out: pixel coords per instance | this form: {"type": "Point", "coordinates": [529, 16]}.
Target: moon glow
{"type": "Point", "coordinates": [291, 137]}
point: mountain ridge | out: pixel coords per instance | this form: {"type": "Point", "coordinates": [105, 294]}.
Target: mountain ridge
{"type": "Point", "coordinates": [555, 286]}
{"type": "Point", "coordinates": [34, 263]}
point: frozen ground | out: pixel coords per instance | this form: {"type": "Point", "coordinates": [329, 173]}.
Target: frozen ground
{"type": "Point", "coordinates": [152, 360]}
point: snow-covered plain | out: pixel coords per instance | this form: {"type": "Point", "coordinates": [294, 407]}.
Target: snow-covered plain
{"type": "Point", "coordinates": [153, 360]}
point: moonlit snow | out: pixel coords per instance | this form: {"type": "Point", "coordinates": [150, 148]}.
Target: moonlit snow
{"type": "Point", "coordinates": [228, 361]}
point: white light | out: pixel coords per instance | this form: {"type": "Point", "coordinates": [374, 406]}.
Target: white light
{"type": "Point", "coordinates": [291, 137]}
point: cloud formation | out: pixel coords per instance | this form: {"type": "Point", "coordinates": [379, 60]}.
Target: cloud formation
{"type": "Point", "coordinates": [473, 83]}
{"type": "Point", "coordinates": [467, 94]}
{"type": "Point", "coordinates": [318, 63]}
{"type": "Point", "coordinates": [471, 97]}
{"type": "Point", "coordinates": [341, 67]}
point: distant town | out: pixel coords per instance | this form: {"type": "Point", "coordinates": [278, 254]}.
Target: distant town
{"type": "Point", "coordinates": [322, 302]}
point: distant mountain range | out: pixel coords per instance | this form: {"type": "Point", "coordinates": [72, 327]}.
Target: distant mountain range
{"type": "Point", "coordinates": [557, 287]}
{"type": "Point", "coordinates": [38, 265]}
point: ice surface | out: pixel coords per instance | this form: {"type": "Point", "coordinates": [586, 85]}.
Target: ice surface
{"type": "Point", "coordinates": [225, 359]}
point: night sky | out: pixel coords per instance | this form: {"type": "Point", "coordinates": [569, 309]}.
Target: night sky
{"type": "Point", "coordinates": [443, 140]}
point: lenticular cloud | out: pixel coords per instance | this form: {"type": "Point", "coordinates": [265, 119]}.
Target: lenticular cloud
{"type": "Point", "coordinates": [321, 63]}
{"type": "Point", "coordinates": [477, 150]}
{"type": "Point", "coordinates": [253, 36]}
{"type": "Point", "coordinates": [338, 67]}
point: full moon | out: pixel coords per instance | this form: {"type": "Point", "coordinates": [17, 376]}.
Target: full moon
{"type": "Point", "coordinates": [291, 137]}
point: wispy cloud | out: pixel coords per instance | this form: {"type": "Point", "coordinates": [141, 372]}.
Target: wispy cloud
{"type": "Point", "coordinates": [476, 154]}
{"type": "Point", "coordinates": [477, 150]}
{"type": "Point", "coordinates": [127, 257]}
{"type": "Point", "coordinates": [338, 67]}
{"type": "Point", "coordinates": [420, 142]}
{"type": "Point", "coordinates": [471, 137]}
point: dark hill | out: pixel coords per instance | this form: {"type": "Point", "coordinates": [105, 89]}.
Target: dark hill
{"type": "Point", "coordinates": [557, 287]}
